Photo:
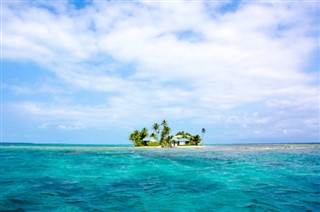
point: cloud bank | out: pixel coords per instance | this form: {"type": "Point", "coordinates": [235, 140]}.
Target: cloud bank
{"type": "Point", "coordinates": [246, 67]}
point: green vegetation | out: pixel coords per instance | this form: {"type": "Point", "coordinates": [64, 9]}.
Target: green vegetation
{"type": "Point", "coordinates": [153, 143]}
{"type": "Point", "coordinates": [203, 131]}
{"type": "Point", "coordinates": [160, 136]}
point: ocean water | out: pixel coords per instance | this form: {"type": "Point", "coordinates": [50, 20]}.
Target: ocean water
{"type": "Point", "coordinates": [217, 178]}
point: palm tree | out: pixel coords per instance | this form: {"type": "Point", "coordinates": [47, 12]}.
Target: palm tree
{"type": "Point", "coordinates": [143, 135]}
{"type": "Point", "coordinates": [164, 123]}
{"type": "Point", "coordinates": [168, 131]}
{"type": "Point", "coordinates": [203, 132]}
{"type": "Point", "coordinates": [135, 137]}
{"type": "Point", "coordinates": [154, 136]}
{"type": "Point", "coordinates": [156, 129]}
{"type": "Point", "coordinates": [164, 135]}
{"type": "Point", "coordinates": [197, 139]}
{"type": "Point", "coordinates": [132, 137]}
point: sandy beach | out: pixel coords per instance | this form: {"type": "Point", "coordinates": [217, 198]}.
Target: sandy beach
{"type": "Point", "coordinates": [204, 147]}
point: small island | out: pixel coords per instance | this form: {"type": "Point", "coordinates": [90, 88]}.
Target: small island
{"type": "Point", "coordinates": [161, 137]}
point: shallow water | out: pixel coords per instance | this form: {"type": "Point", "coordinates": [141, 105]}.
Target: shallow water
{"type": "Point", "coordinates": [81, 178]}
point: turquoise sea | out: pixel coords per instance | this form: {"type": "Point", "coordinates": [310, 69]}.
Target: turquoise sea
{"type": "Point", "coordinates": [112, 178]}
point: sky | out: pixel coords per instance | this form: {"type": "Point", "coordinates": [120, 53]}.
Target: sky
{"type": "Point", "coordinates": [93, 71]}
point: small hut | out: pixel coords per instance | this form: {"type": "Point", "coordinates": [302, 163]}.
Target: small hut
{"type": "Point", "coordinates": [178, 140]}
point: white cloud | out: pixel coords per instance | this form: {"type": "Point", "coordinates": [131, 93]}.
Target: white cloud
{"type": "Point", "coordinates": [185, 60]}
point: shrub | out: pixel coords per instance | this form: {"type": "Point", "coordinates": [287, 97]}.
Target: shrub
{"type": "Point", "coordinates": [138, 143]}
{"type": "Point", "coordinates": [153, 143]}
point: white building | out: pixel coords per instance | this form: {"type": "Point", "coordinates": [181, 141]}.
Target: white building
{"type": "Point", "coordinates": [178, 140]}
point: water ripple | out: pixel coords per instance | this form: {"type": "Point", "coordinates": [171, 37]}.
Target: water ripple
{"type": "Point", "coordinates": [205, 179]}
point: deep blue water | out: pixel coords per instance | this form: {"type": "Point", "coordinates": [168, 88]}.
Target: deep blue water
{"type": "Point", "coordinates": [97, 178]}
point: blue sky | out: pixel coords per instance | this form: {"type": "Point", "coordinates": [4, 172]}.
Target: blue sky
{"type": "Point", "coordinates": [93, 71]}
